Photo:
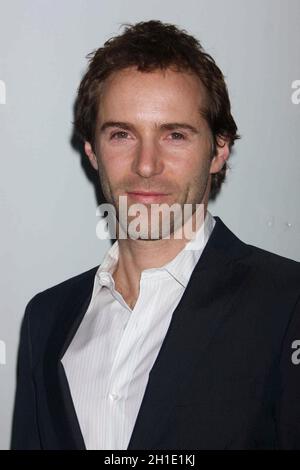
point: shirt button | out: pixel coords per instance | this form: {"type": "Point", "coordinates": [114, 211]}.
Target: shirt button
{"type": "Point", "coordinates": [105, 280]}
{"type": "Point", "coordinates": [113, 396]}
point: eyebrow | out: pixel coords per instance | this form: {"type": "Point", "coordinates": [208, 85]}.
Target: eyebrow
{"type": "Point", "coordinates": [166, 126]}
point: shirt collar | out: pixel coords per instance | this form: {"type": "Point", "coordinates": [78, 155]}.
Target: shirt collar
{"type": "Point", "coordinates": [180, 267]}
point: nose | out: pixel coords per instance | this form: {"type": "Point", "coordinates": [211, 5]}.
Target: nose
{"type": "Point", "coordinates": [148, 160]}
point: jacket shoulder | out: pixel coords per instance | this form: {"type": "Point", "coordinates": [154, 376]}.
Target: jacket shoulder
{"type": "Point", "coordinates": [282, 272]}
{"type": "Point", "coordinates": [70, 283]}
{"type": "Point", "coordinates": [273, 259]}
{"type": "Point", "coordinates": [42, 308]}
{"type": "Point", "coordinates": [64, 287]}
{"type": "Point", "coordinates": [268, 264]}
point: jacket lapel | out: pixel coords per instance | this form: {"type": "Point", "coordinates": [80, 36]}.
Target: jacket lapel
{"type": "Point", "coordinates": [60, 403]}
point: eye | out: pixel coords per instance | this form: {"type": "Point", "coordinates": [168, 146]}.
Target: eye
{"type": "Point", "coordinates": [178, 136]}
{"type": "Point", "coordinates": [119, 135]}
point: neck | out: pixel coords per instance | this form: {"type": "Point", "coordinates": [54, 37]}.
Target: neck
{"type": "Point", "coordinates": [138, 255]}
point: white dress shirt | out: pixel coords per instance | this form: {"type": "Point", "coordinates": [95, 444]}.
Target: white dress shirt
{"type": "Point", "coordinates": [107, 363]}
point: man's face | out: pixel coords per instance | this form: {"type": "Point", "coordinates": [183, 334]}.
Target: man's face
{"type": "Point", "coordinates": [151, 137]}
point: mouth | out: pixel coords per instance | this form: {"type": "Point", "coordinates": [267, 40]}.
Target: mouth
{"type": "Point", "coordinates": [147, 196]}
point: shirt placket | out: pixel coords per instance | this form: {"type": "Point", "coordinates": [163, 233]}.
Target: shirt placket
{"type": "Point", "coordinates": [123, 368]}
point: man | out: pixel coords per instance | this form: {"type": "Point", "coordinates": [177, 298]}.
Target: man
{"type": "Point", "coordinates": [171, 343]}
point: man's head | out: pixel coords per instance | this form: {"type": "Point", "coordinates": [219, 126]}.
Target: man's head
{"type": "Point", "coordinates": [137, 87]}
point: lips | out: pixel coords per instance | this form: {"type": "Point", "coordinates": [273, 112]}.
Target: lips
{"type": "Point", "coordinates": [146, 196]}
{"type": "Point", "coordinates": [147, 193]}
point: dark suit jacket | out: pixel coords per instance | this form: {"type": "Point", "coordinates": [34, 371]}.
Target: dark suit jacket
{"type": "Point", "coordinates": [224, 377]}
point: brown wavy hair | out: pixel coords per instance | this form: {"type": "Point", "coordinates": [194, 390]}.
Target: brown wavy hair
{"type": "Point", "coordinates": [149, 46]}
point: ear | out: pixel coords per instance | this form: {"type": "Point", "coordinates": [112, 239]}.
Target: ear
{"type": "Point", "coordinates": [222, 154]}
{"type": "Point", "coordinates": [91, 155]}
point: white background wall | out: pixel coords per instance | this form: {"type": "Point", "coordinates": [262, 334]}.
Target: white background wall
{"type": "Point", "coordinates": [47, 202]}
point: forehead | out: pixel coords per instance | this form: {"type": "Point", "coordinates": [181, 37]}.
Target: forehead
{"type": "Point", "coordinates": [156, 91]}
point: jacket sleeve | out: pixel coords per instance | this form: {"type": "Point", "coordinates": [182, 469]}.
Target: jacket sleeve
{"type": "Point", "coordinates": [25, 434]}
{"type": "Point", "coordinates": [288, 413]}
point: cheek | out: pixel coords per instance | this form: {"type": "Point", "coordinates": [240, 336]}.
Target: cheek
{"type": "Point", "coordinates": [114, 162]}
{"type": "Point", "coordinates": [188, 166]}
